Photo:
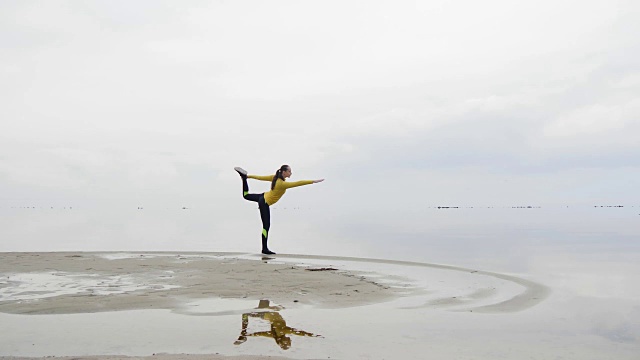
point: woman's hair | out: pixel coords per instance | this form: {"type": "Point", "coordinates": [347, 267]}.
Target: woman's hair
{"type": "Point", "coordinates": [278, 175]}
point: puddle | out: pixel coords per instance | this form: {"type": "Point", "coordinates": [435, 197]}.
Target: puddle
{"type": "Point", "coordinates": [220, 326]}
{"type": "Point", "coordinates": [34, 286]}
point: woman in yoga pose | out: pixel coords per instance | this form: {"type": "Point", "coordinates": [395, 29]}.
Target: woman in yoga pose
{"type": "Point", "coordinates": [279, 186]}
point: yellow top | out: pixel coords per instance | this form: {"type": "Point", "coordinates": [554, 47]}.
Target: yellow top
{"type": "Point", "coordinates": [272, 196]}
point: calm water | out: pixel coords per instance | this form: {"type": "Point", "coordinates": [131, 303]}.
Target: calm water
{"type": "Point", "coordinates": [588, 256]}
{"type": "Point", "coordinates": [499, 239]}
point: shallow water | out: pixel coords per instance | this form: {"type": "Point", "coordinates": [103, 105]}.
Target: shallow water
{"type": "Point", "coordinates": [588, 257]}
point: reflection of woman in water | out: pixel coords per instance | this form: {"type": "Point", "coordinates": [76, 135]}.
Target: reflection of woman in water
{"type": "Point", "coordinates": [278, 187]}
{"type": "Point", "coordinates": [279, 329]}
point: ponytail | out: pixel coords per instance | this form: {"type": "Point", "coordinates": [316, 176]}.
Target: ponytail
{"type": "Point", "coordinates": [278, 175]}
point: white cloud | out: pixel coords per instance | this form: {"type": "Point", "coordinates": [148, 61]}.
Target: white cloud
{"type": "Point", "coordinates": [615, 125]}
{"type": "Point", "coordinates": [493, 86]}
{"type": "Point", "coordinates": [594, 119]}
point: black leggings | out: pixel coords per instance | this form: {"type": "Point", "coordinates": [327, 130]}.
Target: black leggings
{"type": "Point", "coordinates": [265, 215]}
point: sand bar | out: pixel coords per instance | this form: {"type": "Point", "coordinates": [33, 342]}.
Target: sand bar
{"type": "Point", "coordinates": [55, 297]}
{"type": "Point", "coordinates": [62, 283]}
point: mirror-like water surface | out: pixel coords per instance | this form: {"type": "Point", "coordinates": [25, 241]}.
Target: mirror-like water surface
{"type": "Point", "coordinates": [585, 257]}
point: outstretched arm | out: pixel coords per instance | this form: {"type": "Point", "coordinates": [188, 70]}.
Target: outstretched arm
{"type": "Point", "coordinates": [304, 333]}
{"type": "Point", "coordinates": [243, 333]}
{"type": "Point", "coordinates": [245, 323]}
{"type": "Point", "coordinates": [293, 184]}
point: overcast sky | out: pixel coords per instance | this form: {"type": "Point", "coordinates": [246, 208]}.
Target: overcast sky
{"type": "Point", "coordinates": [450, 102]}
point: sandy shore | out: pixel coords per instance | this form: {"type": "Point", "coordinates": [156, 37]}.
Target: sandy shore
{"type": "Point", "coordinates": [67, 283]}
{"type": "Point", "coordinates": [219, 291]}
{"type": "Point", "coordinates": [64, 283]}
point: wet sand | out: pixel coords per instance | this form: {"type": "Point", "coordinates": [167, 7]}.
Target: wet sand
{"type": "Point", "coordinates": [65, 283]}
{"type": "Point", "coordinates": [72, 284]}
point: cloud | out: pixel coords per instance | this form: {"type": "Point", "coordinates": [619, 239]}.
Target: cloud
{"type": "Point", "coordinates": [343, 89]}
{"type": "Point", "coordinates": [595, 121]}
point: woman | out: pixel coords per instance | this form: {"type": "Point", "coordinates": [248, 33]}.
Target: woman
{"type": "Point", "coordinates": [279, 328]}
{"type": "Point", "coordinates": [278, 187]}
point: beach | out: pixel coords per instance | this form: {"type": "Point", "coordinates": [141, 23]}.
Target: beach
{"type": "Point", "coordinates": [106, 285]}
{"type": "Point", "coordinates": [65, 283]}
